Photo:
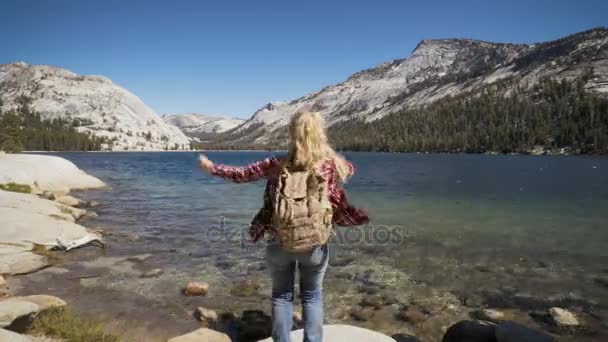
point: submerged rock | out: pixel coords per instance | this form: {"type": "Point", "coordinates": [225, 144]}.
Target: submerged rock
{"type": "Point", "coordinates": [245, 288]}
{"type": "Point", "coordinates": [206, 315]}
{"type": "Point", "coordinates": [373, 301]}
{"type": "Point", "coordinates": [602, 280]}
{"type": "Point", "coordinates": [202, 334]}
{"type": "Point", "coordinates": [152, 273]}
{"type": "Point", "coordinates": [2, 281]}
{"type": "Point", "coordinates": [563, 318]}
{"type": "Point", "coordinates": [489, 315]}
{"type": "Point", "coordinates": [196, 289]}
{"type": "Point", "coordinates": [413, 314]}
{"type": "Point", "coordinates": [362, 313]}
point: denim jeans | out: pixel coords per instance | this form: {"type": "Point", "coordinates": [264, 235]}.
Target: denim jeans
{"type": "Point", "coordinates": [311, 267]}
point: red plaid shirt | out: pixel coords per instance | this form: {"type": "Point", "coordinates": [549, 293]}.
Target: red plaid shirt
{"type": "Point", "coordinates": [269, 169]}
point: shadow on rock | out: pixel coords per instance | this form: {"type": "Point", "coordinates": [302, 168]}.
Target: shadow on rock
{"type": "Point", "coordinates": [470, 331]}
{"type": "Point", "coordinates": [405, 338]}
{"type": "Point", "coordinates": [253, 325]}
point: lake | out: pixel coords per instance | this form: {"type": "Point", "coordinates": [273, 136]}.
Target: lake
{"type": "Point", "coordinates": [447, 231]}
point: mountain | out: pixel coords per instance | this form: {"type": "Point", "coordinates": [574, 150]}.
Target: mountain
{"type": "Point", "coordinates": [435, 70]}
{"type": "Point", "coordinates": [196, 125]}
{"type": "Point", "coordinates": [93, 103]}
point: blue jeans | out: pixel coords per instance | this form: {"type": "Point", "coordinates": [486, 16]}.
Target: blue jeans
{"type": "Point", "coordinates": [312, 267]}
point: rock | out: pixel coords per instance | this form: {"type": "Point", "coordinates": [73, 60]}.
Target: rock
{"type": "Point", "coordinates": [90, 204]}
{"type": "Point", "coordinates": [202, 334]}
{"type": "Point", "coordinates": [482, 268]}
{"type": "Point", "coordinates": [413, 314]}
{"type": "Point", "coordinates": [16, 261]}
{"type": "Point", "coordinates": [11, 310]}
{"type": "Point", "coordinates": [68, 200]}
{"type": "Point", "coordinates": [510, 331]}
{"type": "Point", "coordinates": [602, 280]}
{"type": "Point", "coordinates": [253, 325]}
{"type": "Point", "coordinates": [389, 299]}
{"type": "Point", "coordinates": [89, 214]}
{"type": "Point", "coordinates": [373, 301]}
{"type": "Point", "coordinates": [472, 300]}
{"type": "Point", "coordinates": [76, 213]}
{"type": "Point", "coordinates": [362, 314]}
{"type": "Point", "coordinates": [9, 336]}
{"type": "Point", "coordinates": [21, 217]}
{"type": "Point", "coordinates": [369, 289]}
{"type": "Point", "coordinates": [489, 315]}
{"type": "Point", "coordinates": [245, 288]}
{"type": "Point", "coordinates": [51, 195]}
{"type": "Point", "coordinates": [2, 281]}
{"type": "Point", "coordinates": [43, 301]}
{"type": "Point", "coordinates": [297, 317]}
{"type": "Point", "coordinates": [152, 273]}
{"type": "Point", "coordinates": [48, 173]}
{"type": "Point", "coordinates": [206, 315]}
{"type": "Point", "coordinates": [225, 264]}
{"type": "Point", "coordinates": [470, 332]}
{"type": "Point", "coordinates": [341, 333]}
{"type": "Point", "coordinates": [196, 289]}
{"type": "Point", "coordinates": [563, 318]}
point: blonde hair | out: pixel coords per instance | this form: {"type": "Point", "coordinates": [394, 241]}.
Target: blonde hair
{"type": "Point", "coordinates": [308, 144]}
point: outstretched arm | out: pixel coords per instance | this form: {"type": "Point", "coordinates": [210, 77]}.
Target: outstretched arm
{"type": "Point", "coordinates": [249, 173]}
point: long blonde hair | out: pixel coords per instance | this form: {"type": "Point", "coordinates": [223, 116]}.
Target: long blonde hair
{"type": "Point", "coordinates": [308, 144]}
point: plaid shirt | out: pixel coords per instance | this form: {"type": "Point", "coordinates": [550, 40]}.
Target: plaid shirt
{"type": "Point", "coordinates": [269, 169]}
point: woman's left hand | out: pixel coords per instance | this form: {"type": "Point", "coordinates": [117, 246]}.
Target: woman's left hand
{"type": "Point", "coordinates": [205, 163]}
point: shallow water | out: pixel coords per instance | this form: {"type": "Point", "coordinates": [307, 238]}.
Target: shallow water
{"type": "Point", "coordinates": [519, 232]}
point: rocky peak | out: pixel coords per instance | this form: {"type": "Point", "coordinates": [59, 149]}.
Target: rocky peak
{"type": "Point", "coordinates": [437, 68]}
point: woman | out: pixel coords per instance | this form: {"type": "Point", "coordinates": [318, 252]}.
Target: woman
{"type": "Point", "coordinates": [308, 150]}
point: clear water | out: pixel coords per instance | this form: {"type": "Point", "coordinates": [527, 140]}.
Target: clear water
{"type": "Point", "coordinates": [468, 225]}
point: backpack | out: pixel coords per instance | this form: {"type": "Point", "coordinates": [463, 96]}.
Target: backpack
{"type": "Point", "coordinates": [301, 211]}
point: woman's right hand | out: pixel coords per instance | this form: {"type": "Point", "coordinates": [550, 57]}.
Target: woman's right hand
{"type": "Point", "coordinates": [204, 163]}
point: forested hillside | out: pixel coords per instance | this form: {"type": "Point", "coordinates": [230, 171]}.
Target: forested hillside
{"type": "Point", "coordinates": [552, 115]}
{"type": "Point", "coordinates": [23, 129]}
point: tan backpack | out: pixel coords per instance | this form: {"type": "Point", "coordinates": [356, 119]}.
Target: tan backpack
{"type": "Point", "coordinates": [301, 211]}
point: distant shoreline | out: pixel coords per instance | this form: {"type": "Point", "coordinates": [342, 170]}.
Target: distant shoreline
{"type": "Point", "coordinates": [345, 151]}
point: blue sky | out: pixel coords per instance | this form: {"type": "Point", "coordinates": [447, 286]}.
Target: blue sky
{"type": "Point", "coordinates": [232, 57]}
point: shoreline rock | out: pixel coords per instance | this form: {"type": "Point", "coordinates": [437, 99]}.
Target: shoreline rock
{"type": "Point", "coordinates": [563, 318]}
{"type": "Point", "coordinates": [30, 221]}
{"type": "Point", "coordinates": [45, 173]}
{"type": "Point", "coordinates": [15, 308]}
{"type": "Point", "coordinates": [196, 289]}
{"type": "Point", "coordinates": [206, 315]}
{"type": "Point", "coordinates": [202, 334]}
{"type": "Point", "coordinates": [341, 333]}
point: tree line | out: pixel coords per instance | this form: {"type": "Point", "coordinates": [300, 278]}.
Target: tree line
{"type": "Point", "coordinates": [504, 117]}
{"type": "Point", "coordinates": [23, 129]}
